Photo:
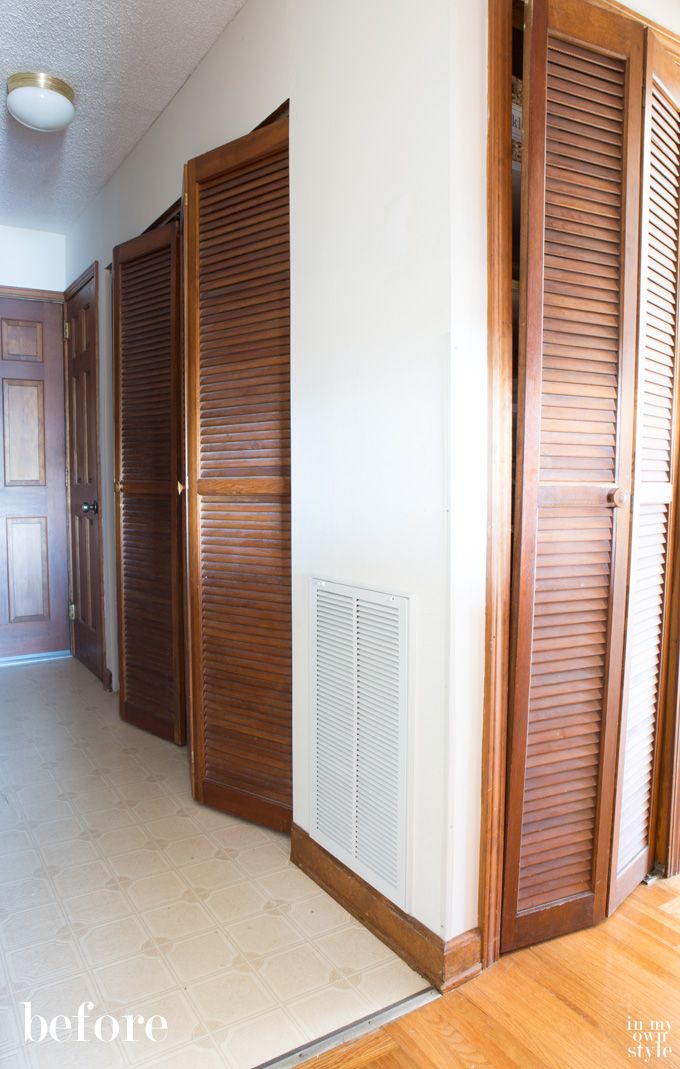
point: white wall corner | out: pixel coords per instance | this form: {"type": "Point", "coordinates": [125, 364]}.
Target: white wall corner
{"type": "Point", "coordinates": [32, 259]}
{"type": "Point", "coordinates": [468, 445]}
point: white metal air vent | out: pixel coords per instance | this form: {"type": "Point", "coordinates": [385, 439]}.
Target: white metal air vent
{"type": "Point", "coordinates": [359, 694]}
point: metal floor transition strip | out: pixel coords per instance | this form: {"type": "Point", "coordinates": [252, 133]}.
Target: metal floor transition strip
{"type": "Point", "coordinates": [351, 1031]}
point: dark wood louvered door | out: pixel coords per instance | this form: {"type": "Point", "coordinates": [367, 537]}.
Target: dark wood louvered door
{"type": "Point", "coordinates": [576, 403]}
{"type": "Point", "coordinates": [238, 437]}
{"type": "Point", "coordinates": [147, 362]}
{"type": "Point", "coordinates": [82, 383]}
{"type": "Point", "coordinates": [655, 480]}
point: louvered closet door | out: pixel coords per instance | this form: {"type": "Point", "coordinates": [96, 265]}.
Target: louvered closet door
{"type": "Point", "coordinates": [238, 407]}
{"type": "Point", "coordinates": [655, 478]}
{"type": "Point", "coordinates": [148, 426]}
{"type": "Point", "coordinates": [577, 367]}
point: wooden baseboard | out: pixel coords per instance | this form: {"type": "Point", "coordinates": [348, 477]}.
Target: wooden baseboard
{"type": "Point", "coordinates": [445, 964]}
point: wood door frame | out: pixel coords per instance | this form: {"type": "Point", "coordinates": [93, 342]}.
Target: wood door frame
{"type": "Point", "coordinates": [90, 273]}
{"type": "Point", "coordinates": [17, 293]}
{"type": "Point", "coordinates": [499, 523]}
{"type": "Point", "coordinates": [499, 501]}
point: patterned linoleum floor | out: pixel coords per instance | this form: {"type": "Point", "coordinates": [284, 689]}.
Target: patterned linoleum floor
{"type": "Point", "coordinates": [118, 889]}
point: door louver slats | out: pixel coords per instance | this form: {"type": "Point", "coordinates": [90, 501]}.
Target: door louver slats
{"type": "Point", "coordinates": [148, 414]}
{"type": "Point", "coordinates": [238, 407]}
{"type": "Point", "coordinates": [575, 398]}
{"type": "Point", "coordinates": [360, 716]}
{"type": "Point", "coordinates": [647, 641]}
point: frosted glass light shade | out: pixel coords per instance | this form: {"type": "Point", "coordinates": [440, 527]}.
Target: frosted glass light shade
{"type": "Point", "coordinates": [40, 101]}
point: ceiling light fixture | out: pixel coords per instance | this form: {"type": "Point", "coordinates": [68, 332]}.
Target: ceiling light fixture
{"type": "Point", "coordinates": [40, 101]}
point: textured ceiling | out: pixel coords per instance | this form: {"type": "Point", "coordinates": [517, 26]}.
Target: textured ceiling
{"type": "Point", "coordinates": [125, 59]}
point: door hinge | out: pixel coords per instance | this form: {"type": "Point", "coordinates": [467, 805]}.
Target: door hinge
{"type": "Point", "coordinates": [71, 611]}
{"type": "Point", "coordinates": [67, 330]}
{"type": "Point", "coordinates": [186, 199]}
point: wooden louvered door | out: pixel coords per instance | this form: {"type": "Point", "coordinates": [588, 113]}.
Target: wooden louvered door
{"type": "Point", "coordinates": [148, 469]}
{"type": "Point", "coordinates": [82, 375]}
{"type": "Point", "coordinates": [238, 437]}
{"type": "Point", "coordinates": [655, 479]}
{"type": "Point", "coordinates": [577, 377]}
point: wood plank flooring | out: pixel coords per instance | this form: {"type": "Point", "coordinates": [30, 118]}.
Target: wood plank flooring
{"type": "Point", "coordinates": [566, 1004]}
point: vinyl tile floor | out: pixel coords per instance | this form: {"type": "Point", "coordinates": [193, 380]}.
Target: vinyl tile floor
{"type": "Point", "coordinates": [116, 888]}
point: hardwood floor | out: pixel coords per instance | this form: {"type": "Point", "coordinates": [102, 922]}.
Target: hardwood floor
{"type": "Point", "coordinates": [565, 1004]}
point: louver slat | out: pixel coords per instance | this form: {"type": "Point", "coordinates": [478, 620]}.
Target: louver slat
{"type": "Point", "coordinates": [238, 411]}
{"type": "Point", "coordinates": [655, 480]}
{"type": "Point", "coordinates": [576, 403]}
{"type": "Point", "coordinates": [360, 725]}
{"type": "Point", "coordinates": [148, 409]}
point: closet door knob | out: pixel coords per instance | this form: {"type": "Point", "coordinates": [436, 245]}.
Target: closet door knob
{"type": "Point", "coordinates": [619, 497]}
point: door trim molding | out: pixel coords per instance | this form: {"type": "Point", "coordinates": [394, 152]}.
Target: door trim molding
{"type": "Point", "coordinates": [670, 39]}
{"type": "Point", "coordinates": [499, 326]}
{"type": "Point", "coordinates": [90, 273]}
{"type": "Point", "coordinates": [20, 293]}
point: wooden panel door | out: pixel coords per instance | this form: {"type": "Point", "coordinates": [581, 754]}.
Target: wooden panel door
{"type": "Point", "coordinates": [33, 554]}
{"type": "Point", "coordinates": [577, 369]}
{"type": "Point", "coordinates": [238, 428]}
{"type": "Point", "coordinates": [148, 411]}
{"type": "Point", "coordinates": [83, 455]}
{"type": "Point", "coordinates": [655, 479]}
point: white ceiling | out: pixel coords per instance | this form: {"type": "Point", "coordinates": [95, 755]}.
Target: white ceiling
{"type": "Point", "coordinates": [125, 59]}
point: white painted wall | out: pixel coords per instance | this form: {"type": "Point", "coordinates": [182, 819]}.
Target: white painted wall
{"type": "Point", "coordinates": [32, 259]}
{"type": "Point", "coordinates": [664, 13]}
{"type": "Point", "coordinates": [371, 88]}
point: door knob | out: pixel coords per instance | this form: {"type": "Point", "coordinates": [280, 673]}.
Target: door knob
{"type": "Point", "coordinates": [90, 506]}
{"type": "Point", "coordinates": [619, 497]}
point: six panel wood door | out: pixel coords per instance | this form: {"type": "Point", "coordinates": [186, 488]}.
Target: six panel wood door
{"type": "Point", "coordinates": [83, 413]}
{"type": "Point", "coordinates": [147, 369]}
{"type": "Point", "coordinates": [577, 371]}
{"type": "Point", "coordinates": [655, 479]}
{"type": "Point", "coordinates": [238, 428]}
{"type": "Point", "coordinates": [33, 558]}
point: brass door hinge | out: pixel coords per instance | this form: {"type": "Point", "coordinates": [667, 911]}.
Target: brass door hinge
{"type": "Point", "coordinates": [67, 330]}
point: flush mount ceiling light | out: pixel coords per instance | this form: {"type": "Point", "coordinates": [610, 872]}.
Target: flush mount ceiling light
{"type": "Point", "coordinates": [40, 101]}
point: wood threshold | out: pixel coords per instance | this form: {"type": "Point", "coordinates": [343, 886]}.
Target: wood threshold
{"type": "Point", "coordinates": [445, 964]}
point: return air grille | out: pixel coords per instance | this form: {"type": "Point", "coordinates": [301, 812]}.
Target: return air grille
{"type": "Point", "coordinates": [359, 694]}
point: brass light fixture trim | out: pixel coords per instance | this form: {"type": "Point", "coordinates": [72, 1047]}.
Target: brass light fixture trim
{"type": "Point", "coordinates": [39, 80]}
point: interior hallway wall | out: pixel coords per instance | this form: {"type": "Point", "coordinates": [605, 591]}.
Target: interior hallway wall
{"type": "Point", "coordinates": [32, 259]}
{"type": "Point", "coordinates": [371, 88]}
